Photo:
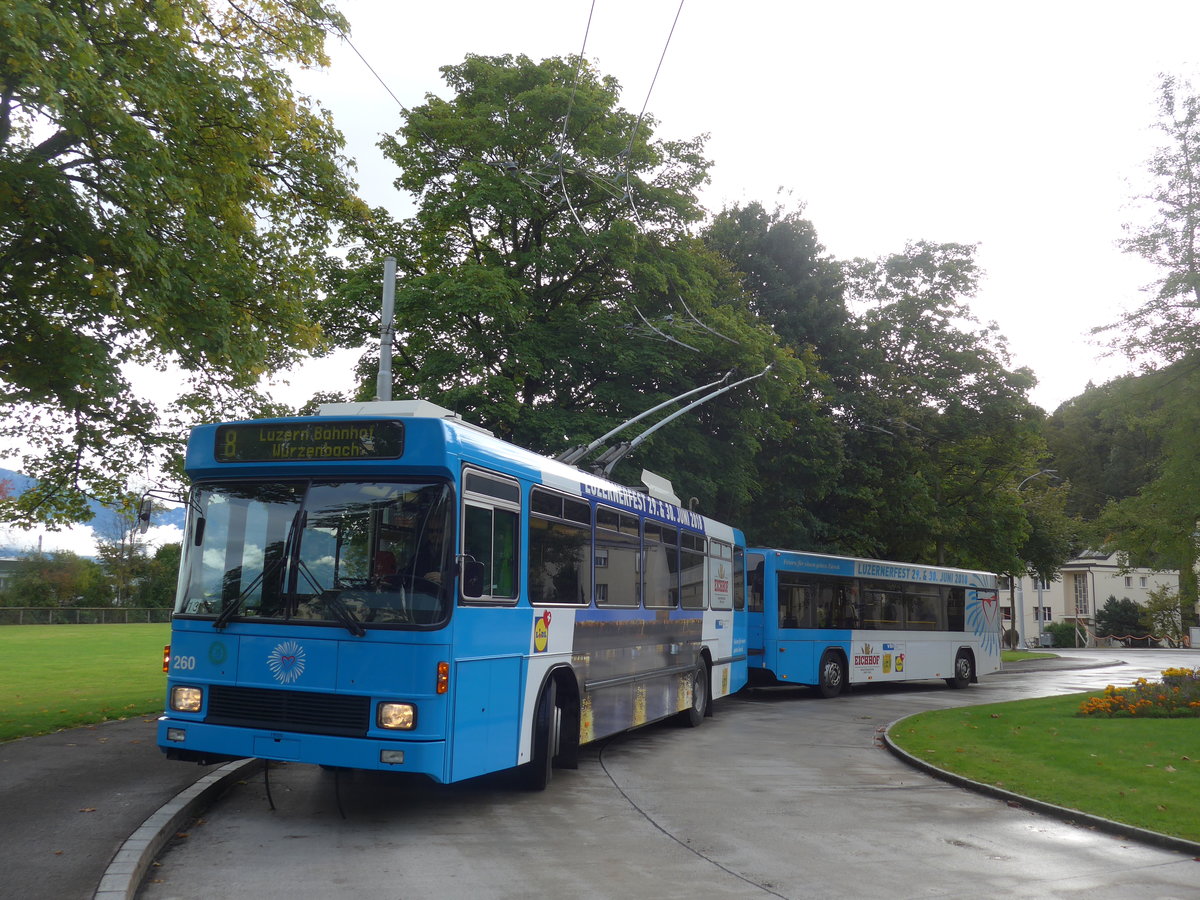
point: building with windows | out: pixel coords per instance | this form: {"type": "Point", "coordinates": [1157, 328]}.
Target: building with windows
{"type": "Point", "coordinates": [1084, 585]}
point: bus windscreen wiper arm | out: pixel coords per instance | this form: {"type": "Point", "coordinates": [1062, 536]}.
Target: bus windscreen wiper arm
{"type": "Point", "coordinates": [231, 609]}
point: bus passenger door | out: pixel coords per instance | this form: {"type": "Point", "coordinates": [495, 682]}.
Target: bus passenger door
{"type": "Point", "coordinates": [755, 636]}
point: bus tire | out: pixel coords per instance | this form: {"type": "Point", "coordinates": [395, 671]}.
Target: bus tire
{"type": "Point", "coordinates": [535, 774]}
{"type": "Point", "coordinates": [832, 674]}
{"type": "Point", "coordinates": [964, 670]}
{"type": "Point", "coordinates": [694, 714]}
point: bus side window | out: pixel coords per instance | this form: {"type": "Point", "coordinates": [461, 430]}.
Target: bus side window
{"type": "Point", "coordinates": [490, 529]}
{"type": "Point", "coordinates": [756, 576]}
{"type": "Point", "coordinates": [795, 602]}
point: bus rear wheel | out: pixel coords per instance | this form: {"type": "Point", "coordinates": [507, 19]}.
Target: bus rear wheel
{"type": "Point", "coordinates": [694, 714]}
{"type": "Point", "coordinates": [832, 678]}
{"type": "Point", "coordinates": [964, 670]}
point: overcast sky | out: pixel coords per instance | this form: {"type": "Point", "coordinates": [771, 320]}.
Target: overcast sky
{"type": "Point", "coordinates": [1021, 126]}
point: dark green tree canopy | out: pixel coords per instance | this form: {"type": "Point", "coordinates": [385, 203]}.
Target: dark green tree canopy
{"type": "Point", "coordinates": [549, 285]}
{"type": "Point", "coordinates": [1119, 618]}
{"type": "Point", "coordinates": [939, 429]}
{"type": "Point", "coordinates": [790, 281]}
{"type": "Point", "coordinates": [164, 199]}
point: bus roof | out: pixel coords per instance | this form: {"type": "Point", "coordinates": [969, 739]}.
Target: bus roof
{"type": "Point", "coordinates": [856, 567]}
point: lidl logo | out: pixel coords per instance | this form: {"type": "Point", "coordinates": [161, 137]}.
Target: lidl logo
{"type": "Point", "coordinates": [541, 632]}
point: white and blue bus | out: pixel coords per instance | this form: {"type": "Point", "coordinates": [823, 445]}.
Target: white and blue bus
{"type": "Point", "coordinates": [384, 586]}
{"type": "Point", "coordinates": [833, 621]}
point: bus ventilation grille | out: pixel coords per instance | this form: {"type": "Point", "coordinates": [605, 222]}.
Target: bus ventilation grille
{"type": "Point", "coordinates": [289, 710]}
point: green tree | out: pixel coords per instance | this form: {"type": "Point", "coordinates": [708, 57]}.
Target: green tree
{"type": "Point", "coordinates": [939, 431]}
{"type": "Point", "coordinates": [156, 586]}
{"type": "Point", "coordinates": [1157, 527]}
{"type": "Point", "coordinates": [1163, 616]}
{"type": "Point", "coordinates": [1121, 619]}
{"type": "Point", "coordinates": [790, 281]}
{"type": "Point", "coordinates": [1102, 443]}
{"type": "Point", "coordinates": [1159, 524]}
{"type": "Point", "coordinates": [1167, 323]}
{"type": "Point", "coordinates": [165, 198]}
{"type": "Point", "coordinates": [1053, 535]}
{"type": "Point", "coordinates": [121, 551]}
{"type": "Point", "coordinates": [793, 286]}
{"type": "Point", "coordinates": [549, 287]}
{"type": "Point", "coordinates": [56, 579]}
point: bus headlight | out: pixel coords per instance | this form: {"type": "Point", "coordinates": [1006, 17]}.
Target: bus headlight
{"type": "Point", "coordinates": [402, 716]}
{"type": "Point", "coordinates": [187, 699]}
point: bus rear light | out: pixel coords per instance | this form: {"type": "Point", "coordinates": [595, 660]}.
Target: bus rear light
{"type": "Point", "coordinates": [187, 699]}
{"type": "Point", "coordinates": [402, 716]}
{"type": "Point", "coordinates": [167, 658]}
{"type": "Point", "coordinates": [443, 677]}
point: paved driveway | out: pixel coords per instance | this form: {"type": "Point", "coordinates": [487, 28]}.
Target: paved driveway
{"type": "Point", "coordinates": [781, 795]}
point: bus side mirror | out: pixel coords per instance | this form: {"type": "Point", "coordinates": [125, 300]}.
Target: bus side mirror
{"type": "Point", "coordinates": [472, 578]}
{"type": "Point", "coordinates": [145, 508]}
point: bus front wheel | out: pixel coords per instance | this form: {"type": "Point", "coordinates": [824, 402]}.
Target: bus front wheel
{"type": "Point", "coordinates": [964, 670]}
{"type": "Point", "coordinates": [832, 679]}
{"type": "Point", "coordinates": [535, 774]}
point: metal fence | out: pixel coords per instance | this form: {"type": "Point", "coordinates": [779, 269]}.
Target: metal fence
{"type": "Point", "coordinates": [82, 615]}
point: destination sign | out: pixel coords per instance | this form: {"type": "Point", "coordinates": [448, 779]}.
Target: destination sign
{"type": "Point", "coordinates": [309, 441]}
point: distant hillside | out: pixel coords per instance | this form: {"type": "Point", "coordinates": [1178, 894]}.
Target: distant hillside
{"type": "Point", "coordinates": [105, 521]}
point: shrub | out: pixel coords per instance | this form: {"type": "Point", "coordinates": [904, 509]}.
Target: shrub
{"type": "Point", "coordinates": [1063, 632]}
{"type": "Point", "coordinates": [1176, 696]}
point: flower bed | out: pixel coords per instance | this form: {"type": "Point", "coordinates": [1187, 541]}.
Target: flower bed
{"type": "Point", "coordinates": [1176, 696]}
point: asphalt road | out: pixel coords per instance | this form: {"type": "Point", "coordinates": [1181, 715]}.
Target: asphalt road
{"type": "Point", "coordinates": [69, 800]}
{"type": "Point", "coordinates": [780, 795]}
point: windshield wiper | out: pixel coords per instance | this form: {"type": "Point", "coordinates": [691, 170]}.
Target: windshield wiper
{"type": "Point", "coordinates": [342, 613]}
{"type": "Point", "coordinates": [231, 609]}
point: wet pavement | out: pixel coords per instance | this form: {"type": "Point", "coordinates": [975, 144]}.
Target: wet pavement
{"type": "Point", "coordinates": [781, 794]}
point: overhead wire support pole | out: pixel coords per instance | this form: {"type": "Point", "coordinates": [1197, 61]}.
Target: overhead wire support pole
{"type": "Point", "coordinates": [575, 454]}
{"type": "Point", "coordinates": [383, 384]}
{"type": "Point", "coordinates": [608, 461]}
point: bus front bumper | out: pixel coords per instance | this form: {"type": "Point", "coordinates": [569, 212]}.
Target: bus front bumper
{"type": "Point", "coordinates": [200, 742]}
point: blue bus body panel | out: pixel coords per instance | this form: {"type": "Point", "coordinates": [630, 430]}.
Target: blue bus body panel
{"type": "Point", "coordinates": [309, 692]}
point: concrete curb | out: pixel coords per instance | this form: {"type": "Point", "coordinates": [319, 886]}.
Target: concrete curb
{"type": "Point", "coordinates": [129, 866]}
{"type": "Point", "coordinates": [1070, 816]}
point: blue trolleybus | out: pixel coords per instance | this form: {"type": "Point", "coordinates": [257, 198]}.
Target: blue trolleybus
{"type": "Point", "coordinates": [384, 586]}
{"type": "Point", "coordinates": [830, 621]}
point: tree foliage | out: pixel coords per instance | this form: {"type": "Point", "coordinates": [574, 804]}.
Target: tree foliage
{"type": "Point", "coordinates": [939, 429]}
{"type": "Point", "coordinates": [56, 579]}
{"type": "Point", "coordinates": [1103, 443]}
{"type": "Point", "coordinates": [164, 198]}
{"type": "Point", "coordinates": [1158, 525]}
{"type": "Point", "coordinates": [1167, 324]}
{"type": "Point", "coordinates": [1121, 619]}
{"type": "Point", "coordinates": [550, 287]}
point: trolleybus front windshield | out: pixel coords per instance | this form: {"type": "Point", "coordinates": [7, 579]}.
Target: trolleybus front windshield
{"type": "Point", "coordinates": [353, 554]}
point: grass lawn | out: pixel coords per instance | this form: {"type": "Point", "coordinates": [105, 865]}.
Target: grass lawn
{"type": "Point", "coordinates": [1018, 655]}
{"type": "Point", "coordinates": [1142, 772]}
{"type": "Point", "coordinates": [60, 676]}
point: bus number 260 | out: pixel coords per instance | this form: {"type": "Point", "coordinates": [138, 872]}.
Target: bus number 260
{"type": "Point", "coordinates": [183, 663]}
